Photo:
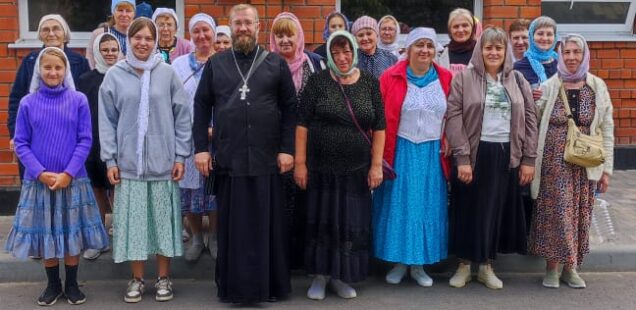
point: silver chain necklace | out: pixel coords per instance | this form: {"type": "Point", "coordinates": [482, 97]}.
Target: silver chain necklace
{"type": "Point", "coordinates": [244, 89]}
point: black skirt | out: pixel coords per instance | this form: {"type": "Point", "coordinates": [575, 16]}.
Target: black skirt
{"type": "Point", "coordinates": [252, 263]}
{"type": "Point", "coordinates": [488, 215]}
{"type": "Point", "coordinates": [337, 235]}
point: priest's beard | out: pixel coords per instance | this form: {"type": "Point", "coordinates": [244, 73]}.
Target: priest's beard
{"type": "Point", "coordinates": [244, 44]}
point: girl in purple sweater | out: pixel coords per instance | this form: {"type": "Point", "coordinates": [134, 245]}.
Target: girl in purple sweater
{"type": "Point", "coordinates": [57, 216]}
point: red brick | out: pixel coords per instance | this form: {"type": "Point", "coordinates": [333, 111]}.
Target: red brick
{"type": "Point", "coordinates": [493, 2]}
{"type": "Point", "coordinates": [212, 10]}
{"type": "Point", "coordinates": [628, 53]}
{"type": "Point", "coordinates": [321, 2]}
{"type": "Point", "coordinates": [501, 11]}
{"type": "Point", "coordinates": [616, 102]}
{"type": "Point", "coordinates": [8, 181]}
{"type": "Point", "coordinates": [628, 103]}
{"type": "Point", "coordinates": [515, 2]}
{"type": "Point", "coordinates": [615, 74]}
{"type": "Point", "coordinates": [631, 84]}
{"type": "Point", "coordinates": [625, 94]}
{"type": "Point", "coordinates": [614, 83]}
{"type": "Point", "coordinates": [9, 10]}
{"type": "Point", "coordinates": [603, 74]}
{"type": "Point", "coordinates": [307, 11]}
{"type": "Point", "coordinates": [608, 45]}
{"type": "Point", "coordinates": [626, 73]}
{"type": "Point", "coordinates": [529, 12]}
{"type": "Point", "coordinates": [611, 53]}
{"type": "Point", "coordinates": [623, 123]}
{"type": "Point", "coordinates": [612, 63]}
{"type": "Point", "coordinates": [7, 76]}
{"type": "Point", "coordinates": [625, 132]}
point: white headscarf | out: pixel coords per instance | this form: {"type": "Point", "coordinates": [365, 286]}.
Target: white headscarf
{"type": "Point", "coordinates": [165, 11]}
{"type": "Point", "coordinates": [100, 63]}
{"type": "Point", "coordinates": [223, 29]}
{"type": "Point", "coordinates": [58, 18]}
{"type": "Point", "coordinates": [144, 105]}
{"type": "Point", "coordinates": [201, 17]}
{"type": "Point", "coordinates": [395, 45]}
{"type": "Point", "coordinates": [421, 33]}
{"type": "Point", "coordinates": [37, 75]}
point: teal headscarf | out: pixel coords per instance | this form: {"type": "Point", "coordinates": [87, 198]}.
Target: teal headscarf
{"type": "Point", "coordinates": [537, 56]}
{"type": "Point", "coordinates": [354, 49]}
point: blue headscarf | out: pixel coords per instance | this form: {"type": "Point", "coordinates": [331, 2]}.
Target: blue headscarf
{"type": "Point", "coordinates": [536, 56]}
{"type": "Point", "coordinates": [325, 32]}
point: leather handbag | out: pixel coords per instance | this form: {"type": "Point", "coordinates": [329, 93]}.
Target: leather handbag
{"type": "Point", "coordinates": [581, 149]}
{"type": "Point", "coordinates": [387, 171]}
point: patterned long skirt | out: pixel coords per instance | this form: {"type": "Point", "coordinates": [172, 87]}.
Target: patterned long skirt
{"type": "Point", "coordinates": [52, 224]}
{"type": "Point", "coordinates": [146, 220]}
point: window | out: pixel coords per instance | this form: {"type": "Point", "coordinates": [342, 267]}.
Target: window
{"type": "Point", "coordinates": [414, 13]}
{"type": "Point", "coordinates": [597, 20]}
{"type": "Point", "coordinates": [82, 16]}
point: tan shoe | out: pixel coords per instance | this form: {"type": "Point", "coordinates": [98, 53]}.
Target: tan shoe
{"type": "Point", "coordinates": [461, 276]}
{"type": "Point", "coordinates": [572, 278]}
{"type": "Point", "coordinates": [487, 276]}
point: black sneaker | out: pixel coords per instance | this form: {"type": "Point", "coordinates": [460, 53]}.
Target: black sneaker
{"type": "Point", "coordinates": [73, 295]}
{"type": "Point", "coordinates": [50, 295]}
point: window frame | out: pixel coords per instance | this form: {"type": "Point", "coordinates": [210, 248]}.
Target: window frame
{"type": "Point", "coordinates": [79, 39]}
{"type": "Point", "coordinates": [442, 38]}
{"type": "Point", "coordinates": [599, 31]}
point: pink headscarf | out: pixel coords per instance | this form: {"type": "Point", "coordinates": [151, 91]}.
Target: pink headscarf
{"type": "Point", "coordinates": [295, 65]}
{"type": "Point", "coordinates": [584, 67]}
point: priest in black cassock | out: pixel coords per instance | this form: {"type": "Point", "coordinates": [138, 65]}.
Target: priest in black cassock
{"type": "Point", "coordinates": [253, 98]}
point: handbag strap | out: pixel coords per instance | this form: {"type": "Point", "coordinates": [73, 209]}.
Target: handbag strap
{"type": "Point", "coordinates": [353, 116]}
{"type": "Point", "coordinates": [564, 98]}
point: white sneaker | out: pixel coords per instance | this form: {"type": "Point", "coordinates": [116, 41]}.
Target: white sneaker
{"type": "Point", "coordinates": [92, 254]}
{"type": "Point", "coordinates": [317, 289]}
{"type": "Point", "coordinates": [164, 290]}
{"type": "Point", "coordinates": [396, 274]}
{"type": "Point", "coordinates": [135, 291]}
{"type": "Point", "coordinates": [418, 274]}
{"type": "Point", "coordinates": [343, 290]}
{"type": "Point", "coordinates": [487, 276]}
{"type": "Point", "coordinates": [461, 276]}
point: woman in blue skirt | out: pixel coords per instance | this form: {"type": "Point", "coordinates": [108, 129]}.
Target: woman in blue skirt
{"type": "Point", "coordinates": [57, 216]}
{"type": "Point", "coordinates": [410, 222]}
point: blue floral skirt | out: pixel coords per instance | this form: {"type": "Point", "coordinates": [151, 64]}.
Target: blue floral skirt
{"type": "Point", "coordinates": [410, 213]}
{"type": "Point", "coordinates": [52, 224]}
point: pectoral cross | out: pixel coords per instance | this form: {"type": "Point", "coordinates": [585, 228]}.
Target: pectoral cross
{"type": "Point", "coordinates": [244, 90]}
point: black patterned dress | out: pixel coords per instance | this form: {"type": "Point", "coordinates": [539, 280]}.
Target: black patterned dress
{"type": "Point", "coordinates": [561, 219]}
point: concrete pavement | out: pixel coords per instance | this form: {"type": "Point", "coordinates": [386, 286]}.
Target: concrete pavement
{"type": "Point", "coordinates": [521, 291]}
{"type": "Point", "coordinates": [617, 254]}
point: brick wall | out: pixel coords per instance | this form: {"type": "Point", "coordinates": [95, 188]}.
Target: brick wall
{"type": "Point", "coordinates": [311, 13]}
{"type": "Point", "coordinates": [613, 61]}
{"type": "Point", "coordinates": [9, 60]}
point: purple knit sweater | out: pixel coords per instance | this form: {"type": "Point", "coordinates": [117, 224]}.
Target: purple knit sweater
{"type": "Point", "coordinates": [53, 132]}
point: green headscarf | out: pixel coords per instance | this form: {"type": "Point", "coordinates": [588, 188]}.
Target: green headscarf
{"type": "Point", "coordinates": [354, 49]}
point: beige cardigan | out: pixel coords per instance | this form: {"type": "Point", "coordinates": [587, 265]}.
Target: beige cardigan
{"type": "Point", "coordinates": [602, 123]}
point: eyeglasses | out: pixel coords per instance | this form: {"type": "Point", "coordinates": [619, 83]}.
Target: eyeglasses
{"type": "Point", "coordinates": [109, 50]}
{"type": "Point", "coordinates": [165, 26]}
{"type": "Point", "coordinates": [246, 23]}
{"type": "Point", "coordinates": [53, 29]}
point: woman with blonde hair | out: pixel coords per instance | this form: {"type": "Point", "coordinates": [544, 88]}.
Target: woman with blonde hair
{"type": "Point", "coordinates": [494, 143]}
{"type": "Point", "coordinates": [464, 30]}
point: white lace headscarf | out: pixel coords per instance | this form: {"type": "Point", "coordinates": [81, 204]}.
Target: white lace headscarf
{"type": "Point", "coordinates": [37, 74]}
{"type": "Point", "coordinates": [144, 105]}
{"type": "Point", "coordinates": [100, 63]}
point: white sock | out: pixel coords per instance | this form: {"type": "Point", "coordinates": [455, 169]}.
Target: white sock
{"type": "Point", "coordinates": [396, 274]}
{"type": "Point", "coordinates": [317, 289]}
{"type": "Point", "coordinates": [343, 289]}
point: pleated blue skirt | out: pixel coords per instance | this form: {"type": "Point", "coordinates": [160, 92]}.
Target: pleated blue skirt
{"type": "Point", "coordinates": [410, 216]}
{"type": "Point", "coordinates": [52, 224]}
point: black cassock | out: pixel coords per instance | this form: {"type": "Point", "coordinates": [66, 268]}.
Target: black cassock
{"type": "Point", "coordinates": [252, 263]}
